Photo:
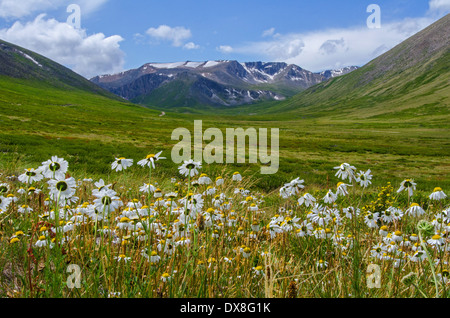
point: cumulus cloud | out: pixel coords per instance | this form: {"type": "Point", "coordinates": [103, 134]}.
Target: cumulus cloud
{"type": "Point", "coordinates": [333, 48]}
{"type": "Point", "coordinates": [176, 35]}
{"type": "Point", "coordinates": [439, 6]}
{"type": "Point", "coordinates": [88, 55]}
{"type": "Point", "coordinates": [23, 8]}
{"type": "Point", "coordinates": [225, 49]}
{"type": "Point", "coordinates": [191, 46]}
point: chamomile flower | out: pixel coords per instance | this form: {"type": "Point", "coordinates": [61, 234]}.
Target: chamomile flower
{"type": "Point", "coordinates": [121, 164]}
{"type": "Point", "coordinates": [345, 171]}
{"type": "Point", "coordinates": [4, 188]}
{"type": "Point", "coordinates": [371, 219]}
{"type": "Point", "coordinates": [342, 189]}
{"type": "Point", "coordinates": [415, 210]}
{"type": "Point", "coordinates": [437, 194]}
{"type": "Point", "coordinates": [330, 197]}
{"type": "Point", "coordinates": [397, 236]}
{"type": "Point", "coordinates": [321, 264]}
{"type": "Point", "coordinates": [54, 168]}
{"type": "Point", "coordinates": [418, 256]}
{"type": "Point", "coordinates": [407, 185]}
{"type": "Point", "coordinates": [363, 178]}
{"type": "Point", "coordinates": [107, 200]}
{"type": "Point", "coordinates": [189, 168]}
{"type": "Point", "coordinates": [436, 240]}
{"type": "Point", "coordinates": [219, 181]}
{"type": "Point", "coordinates": [383, 231]}
{"type": "Point", "coordinates": [307, 199]}
{"type": "Point", "coordinates": [150, 160]}
{"type": "Point", "coordinates": [236, 176]}
{"type": "Point", "coordinates": [62, 189]}
{"type": "Point", "coordinates": [204, 179]}
{"type": "Point", "coordinates": [31, 175]}
{"type": "Point", "coordinates": [258, 270]}
{"type": "Point", "coordinates": [166, 277]}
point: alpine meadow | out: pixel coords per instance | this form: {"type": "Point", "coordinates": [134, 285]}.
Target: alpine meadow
{"type": "Point", "coordinates": [93, 203]}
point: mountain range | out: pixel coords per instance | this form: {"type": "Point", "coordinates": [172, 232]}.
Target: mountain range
{"type": "Point", "coordinates": [409, 81]}
{"type": "Point", "coordinates": [212, 83]}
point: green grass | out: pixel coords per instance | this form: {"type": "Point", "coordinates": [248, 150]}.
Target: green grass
{"type": "Point", "coordinates": [90, 131]}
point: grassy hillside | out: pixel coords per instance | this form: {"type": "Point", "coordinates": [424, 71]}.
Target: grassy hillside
{"type": "Point", "coordinates": [408, 83]}
{"type": "Point", "coordinates": [390, 116]}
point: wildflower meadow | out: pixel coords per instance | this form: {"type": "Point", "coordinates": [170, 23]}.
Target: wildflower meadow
{"type": "Point", "coordinates": [216, 236]}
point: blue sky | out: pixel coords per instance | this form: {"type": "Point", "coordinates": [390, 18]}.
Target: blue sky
{"type": "Point", "coordinates": [116, 35]}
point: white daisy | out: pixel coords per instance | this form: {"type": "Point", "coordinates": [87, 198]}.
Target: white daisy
{"type": "Point", "coordinates": [408, 185]}
{"type": "Point", "coordinates": [190, 167]}
{"type": "Point", "coordinates": [437, 194]}
{"type": "Point", "coordinates": [54, 168]}
{"type": "Point", "coordinates": [121, 164]}
{"type": "Point", "coordinates": [150, 160]}
{"type": "Point", "coordinates": [345, 171]}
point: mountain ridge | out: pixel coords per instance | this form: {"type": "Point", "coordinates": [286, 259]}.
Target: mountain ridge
{"type": "Point", "coordinates": [213, 83]}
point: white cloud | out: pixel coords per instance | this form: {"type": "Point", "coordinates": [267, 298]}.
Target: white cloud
{"type": "Point", "coordinates": [440, 6]}
{"type": "Point", "coordinates": [333, 48]}
{"type": "Point", "coordinates": [225, 49]}
{"type": "Point", "coordinates": [268, 32]}
{"type": "Point", "coordinates": [23, 8]}
{"type": "Point", "coordinates": [88, 55]}
{"type": "Point", "coordinates": [191, 46]}
{"type": "Point", "coordinates": [176, 35]}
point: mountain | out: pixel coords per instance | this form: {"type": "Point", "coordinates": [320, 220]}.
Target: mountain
{"type": "Point", "coordinates": [409, 82]}
{"type": "Point", "coordinates": [211, 83]}
{"type": "Point", "coordinates": [19, 63]}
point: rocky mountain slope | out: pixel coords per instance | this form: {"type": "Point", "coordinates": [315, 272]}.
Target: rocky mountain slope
{"type": "Point", "coordinates": [212, 83]}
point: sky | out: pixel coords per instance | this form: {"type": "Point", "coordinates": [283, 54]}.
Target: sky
{"type": "Point", "coordinates": [94, 37]}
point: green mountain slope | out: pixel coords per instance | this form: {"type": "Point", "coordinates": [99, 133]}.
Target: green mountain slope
{"type": "Point", "coordinates": [406, 83]}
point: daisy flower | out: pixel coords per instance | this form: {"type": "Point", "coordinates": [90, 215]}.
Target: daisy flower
{"type": "Point", "coordinates": [62, 188]}
{"type": "Point", "coordinates": [121, 164]}
{"type": "Point", "coordinates": [408, 185]}
{"type": "Point", "coordinates": [166, 277]}
{"type": "Point", "coordinates": [371, 219]}
{"type": "Point", "coordinates": [436, 240]}
{"type": "Point", "coordinates": [437, 194]}
{"type": "Point", "coordinates": [330, 197]}
{"type": "Point", "coordinates": [307, 199]}
{"type": "Point", "coordinates": [54, 168]}
{"type": "Point", "coordinates": [204, 179]}
{"type": "Point", "coordinates": [99, 186]}
{"type": "Point", "coordinates": [4, 188]}
{"type": "Point", "coordinates": [258, 270]}
{"type": "Point", "coordinates": [363, 178]}
{"type": "Point", "coordinates": [150, 160]}
{"type": "Point", "coordinates": [342, 188]}
{"type": "Point", "coordinates": [31, 175]}
{"type": "Point", "coordinates": [345, 171]}
{"type": "Point", "coordinates": [189, 168]}
{"type": "Point", "coordinates": [219, 181]}
{"type": "Point", "coordinates": [106, 200]}
{"type": "Point", "coordinates": [236, 176]}
{"type": "Point", "coordinates": [322, 264]}
{"type": "Point", "coordinates": [415, 210]}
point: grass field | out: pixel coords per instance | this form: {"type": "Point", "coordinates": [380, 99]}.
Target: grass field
{"type": "Point", "coordinates": [145, 247]}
